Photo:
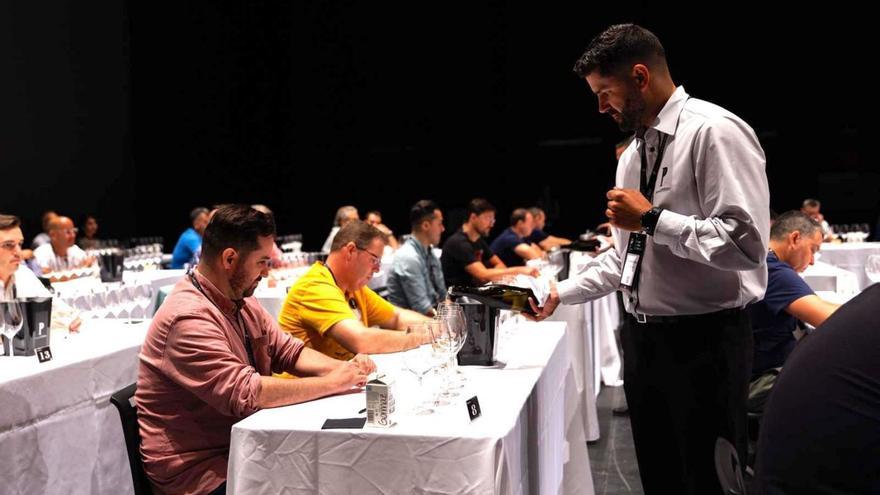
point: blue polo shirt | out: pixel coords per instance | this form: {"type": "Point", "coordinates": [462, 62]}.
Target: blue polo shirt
{"type": "Point", "coordinates": [185, 250]}
{"type": "Point", "coordinates": [772, 326]}
{"type": "Point", "coordinates": [504, 246]}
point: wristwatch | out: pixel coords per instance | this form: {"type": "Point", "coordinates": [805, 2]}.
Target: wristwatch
{"type": "Point", "coordinates": [649, 220]}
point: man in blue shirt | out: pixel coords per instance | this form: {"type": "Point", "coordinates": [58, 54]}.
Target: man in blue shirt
{"type": "Point", "coordinates": [511, 246]}
{"type": "Point", "coordinates": [189, 245]}
{"type": "Point", "coordinates": [540, 238]}
{"type": "Point", "coordinates": [416, 278]}
{"type": "Point", "coordinates": [794, 240]}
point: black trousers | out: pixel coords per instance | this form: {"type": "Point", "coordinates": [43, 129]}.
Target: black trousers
{"type": "Point", "coordinates": [686, 384]}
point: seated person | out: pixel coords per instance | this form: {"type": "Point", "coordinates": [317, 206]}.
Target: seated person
{"type": "Point", "coordinates": [511, 246]}
{"type": "Point", "coordinates": [17, 281]}
{"type": "Point", "coordinates": [61, 253]}
{"type": "Point", "coordinates": [344, 215]}
{"type": "Point", "coordinates": [540, 238]}
{"type": "Point", "coordinates": [820, 432]}
{"type": "Point", "coordinates": [332, 310]}
{"type": "Point", "coordinates": [209, 354]}
{"type": "Point", "coordinates": [467, 259]}
{"type": "Point", "coordinates": [374, 218]}
{"type": "Point", "coordinates": [811, 207]}
{"type": "Point", "coordinates": [416, 278]}
{"type": "Point", "coordinates": [43, 237]}
{"type": "Point", "coordinates": [189, 245]}
{"type": "Point", "coordinates": [89, 239]}
{"type": "Point", "coordinates": [794, 240]}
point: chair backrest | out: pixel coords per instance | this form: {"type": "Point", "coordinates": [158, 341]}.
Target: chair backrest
{"type": "Point", "coordinates": [728, 468]}
{"type": "Point", "coordinates": [124, 402]}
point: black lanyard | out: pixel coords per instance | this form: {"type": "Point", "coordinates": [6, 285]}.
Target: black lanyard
{"type": "Point", "coordinates": [247, 340]}
{"type": "Point", "coordinates": [646, 186]}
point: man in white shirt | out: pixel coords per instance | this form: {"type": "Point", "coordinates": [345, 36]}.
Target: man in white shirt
{"type": "Point", "coordinates": [690, 221]}
{"type": "Point", "coordinates": [17, 281]}
{"type": "Point", "coordinates": [61, 253]}
{"type": "Point", "coordinates": [344, 215]}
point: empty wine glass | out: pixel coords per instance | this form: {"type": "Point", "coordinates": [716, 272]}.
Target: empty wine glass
{"type": "Point", "coordinates": [872, 268]}
{"type": "Point", "coordinates": [419, 362]}
{"type": "Point", "coordinates": [11, 321]}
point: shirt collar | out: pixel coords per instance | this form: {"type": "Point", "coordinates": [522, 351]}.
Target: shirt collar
{"type": "Point", "coordinates": [418, 245]}
{"type": "Point", "coordinates": [226, 305]}
{"type": "Point", "coordinates": [667, 120]}
{"type": "Point", "coordinates": [6, 292]}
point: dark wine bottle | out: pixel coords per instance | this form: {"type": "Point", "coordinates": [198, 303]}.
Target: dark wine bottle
{"type": "Point", "coordinates": [588, 245]}
{"type": "Point", "coordinates": [498, 296]}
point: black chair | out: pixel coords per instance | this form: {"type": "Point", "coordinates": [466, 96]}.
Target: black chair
{"type": "Point", "coordinates": [124, 402]}
{"type": "Point", "coordinates": [727, 467]}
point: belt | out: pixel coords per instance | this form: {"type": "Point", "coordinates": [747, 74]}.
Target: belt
{"type": "Point", "coordinates": [664, 319]}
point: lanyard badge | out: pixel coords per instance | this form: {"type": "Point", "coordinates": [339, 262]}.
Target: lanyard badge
{"type": "Point", "coordinates": [635, 251]}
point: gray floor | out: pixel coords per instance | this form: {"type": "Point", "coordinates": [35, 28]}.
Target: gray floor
{"type": "Point", "coordinates": [613, 457]}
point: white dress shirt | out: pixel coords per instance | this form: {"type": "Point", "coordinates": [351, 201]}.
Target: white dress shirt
{"type": "Point", "coordinates": [709, 246]}
{"type": "Point", "coordinates": [45, 257]}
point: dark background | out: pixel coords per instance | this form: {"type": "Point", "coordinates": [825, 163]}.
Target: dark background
{"type": "Point", "coordinates": [139, 111]}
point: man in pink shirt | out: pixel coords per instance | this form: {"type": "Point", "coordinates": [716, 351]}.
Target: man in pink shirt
{"type": "Point", "coordinates": [209, 355]}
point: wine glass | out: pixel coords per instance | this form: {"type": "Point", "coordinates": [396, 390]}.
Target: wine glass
{"type": "Point", "coordinates": [419, 362]}
{"type": "Point", "coordinates": [11, 321]}
{"type": "Point", "coordinates": [452, 314]}
{"type": "Point", "coordinates": [872, 268]}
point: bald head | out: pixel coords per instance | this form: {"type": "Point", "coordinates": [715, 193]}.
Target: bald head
{"type": "Point", "coordinates": [62, 233]}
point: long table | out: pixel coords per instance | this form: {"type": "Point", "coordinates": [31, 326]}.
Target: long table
{"type": "Point", "coordinates": [528, 440]}
{"type": "Point", "coordinates": [58, 431]}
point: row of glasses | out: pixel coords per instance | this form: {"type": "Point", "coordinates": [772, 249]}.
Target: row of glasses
{"type": "Point", "coordinates": [11, 321]}
{"type": "Point", "coordinates": [853, 232]}
{"type": "Point", "coordinates": [115, 301]}
{"type": "Point", "coordinates": [446, 333]}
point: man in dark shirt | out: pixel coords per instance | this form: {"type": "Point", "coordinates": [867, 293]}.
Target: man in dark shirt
{"type": "Point", "coordinates": [467, 259]}
{"type": "Point", "coordinates": [794, 240]}
{"type": "Point", "coordinates": [539, 237]}
{"type": "Point", "coordinates": [821, 429]}
{"type": "Point", "coordinates": [511, 246]}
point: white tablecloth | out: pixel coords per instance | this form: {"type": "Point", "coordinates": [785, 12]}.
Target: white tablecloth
{"type": "Point", "coordinates": [824, 277]}
{"type": "Point", "coordinates": [850, 257]}
{"type": "Point", "coordinates": [58, 431]}
{"type": "Point", "coordinates": [519, 444]}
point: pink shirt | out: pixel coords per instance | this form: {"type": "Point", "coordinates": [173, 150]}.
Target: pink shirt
{"type": "Point", "coordinates": [195, 382]}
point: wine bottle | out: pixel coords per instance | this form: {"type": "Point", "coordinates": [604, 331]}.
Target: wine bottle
{"type": "Point", "coordinates": [588, 245]}
{"type": "Point", "coordinates": [498, 296]}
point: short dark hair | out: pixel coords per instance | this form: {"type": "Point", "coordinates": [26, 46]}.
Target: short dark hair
{"type": "Point", "coordinates": [535, 211]}
{"type": "Point", "coordinates": [518, 215]}
{"type": "Point", "coordinates": [9, 222]}
{"type": "Point", "coordinates": [421, 211]}
{"type": "Point", "coordinates": [618, 48]}
{"type": "Point", "coordinates": [811, 203]}
{"type": "Point", "coordinates": [238, 227]}
{"type": "Point", "coordinates": [373, 212]}
{"type": "Point", "coordinates": [794, 221]}
{"type": "Point", "coordinates": [478, 206]}
{"type": "Point", "coordinates": [196, 212]}
{"type": "Point", "coordinates": [357, 231]}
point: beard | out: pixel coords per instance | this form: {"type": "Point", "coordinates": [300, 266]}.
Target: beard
{"type": "Point", "coordinates": [240, 284]}
{"type": "Point", "coordinates": [632, 112]}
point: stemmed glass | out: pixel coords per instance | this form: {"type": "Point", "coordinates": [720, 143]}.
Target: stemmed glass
{"type": "Point", "coordinates": [872, 268]}
{"type": "Point", "coordinates": [419, 361]}
{"type": "Point", "coordinates": [11, 321]}
{"type": "Point", "coordinates": [452, 314]}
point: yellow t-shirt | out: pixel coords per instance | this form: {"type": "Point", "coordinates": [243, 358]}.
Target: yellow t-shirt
{"type": "Point", "coordinates": [315, 303]}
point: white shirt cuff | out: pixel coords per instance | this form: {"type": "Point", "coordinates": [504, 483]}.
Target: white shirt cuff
{"type": "Point", "coordinates": [569, 292]}
{"type": "Point", "coordinates": [669, 227]}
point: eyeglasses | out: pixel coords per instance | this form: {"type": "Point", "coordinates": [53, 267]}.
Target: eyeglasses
{"type": "Point", "coordinates": [376, 260]}
{"type": "Point", "coordinates": [11, 245]}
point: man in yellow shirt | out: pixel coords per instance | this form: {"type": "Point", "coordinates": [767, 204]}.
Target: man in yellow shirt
{"type": "Point", "coordinates": [332, 310]}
